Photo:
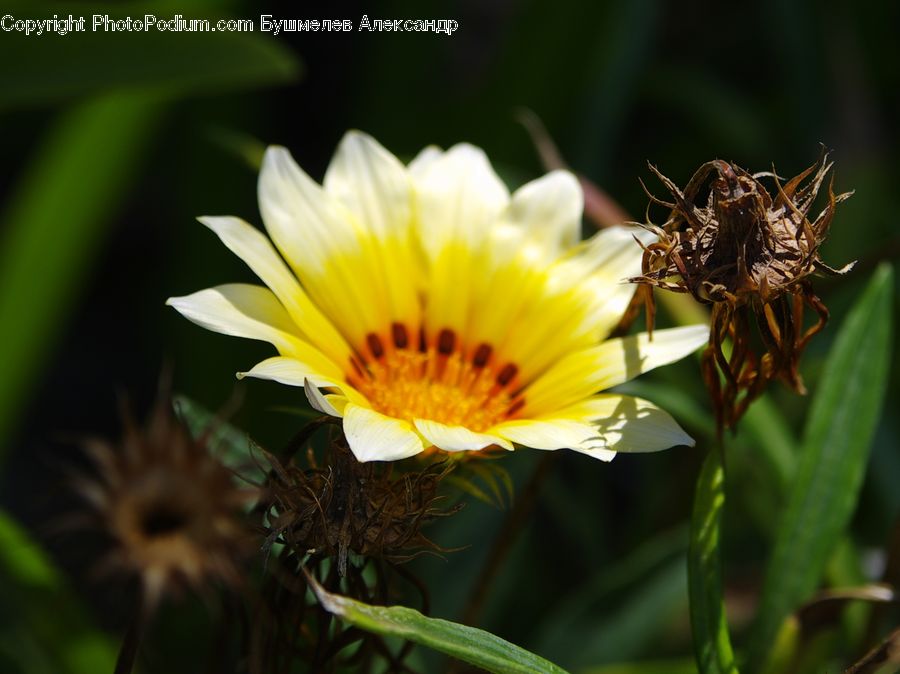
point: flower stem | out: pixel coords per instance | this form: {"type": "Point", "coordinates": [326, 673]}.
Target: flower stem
{"type": "Point", "coordinates": [133, 637]}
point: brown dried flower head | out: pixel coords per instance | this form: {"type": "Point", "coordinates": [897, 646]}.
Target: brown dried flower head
{"type": "Point", "coordinates": [749, 252]}
{"type": "Point", "coordinates": [348, 507]}
{"type": "Point", "coordinates": [170, 507]}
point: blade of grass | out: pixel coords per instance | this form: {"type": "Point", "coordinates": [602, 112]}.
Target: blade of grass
{"type": "Point", "coordinates": [469, 644]}
{"type": "Point", "coordinates": [712, 645]}
{"type": "Point", "coordinates": [38, 640]}
{"type": "Point", "coordinates": [53, 227]}
{"type": "Point", "coordinates": [841, 423]}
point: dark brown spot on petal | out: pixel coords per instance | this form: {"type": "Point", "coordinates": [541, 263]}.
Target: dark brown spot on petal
{"type": "Point", "coordinates": [446, 341]}
{"type": "Point", "coordinates": [357, 366]}
{"type": "Point", "coordinates": [482, 355]}
{"type": "Point", "coordinates": [515, 407]}
{"type": "Point", "coordinates": [506, 375]}
{"type": "Point", "coordinates": [400, 335]}
{"type": "Point", "coordinates": [375, 345]}
{"type": "Point", "coordinates": [423, 343]}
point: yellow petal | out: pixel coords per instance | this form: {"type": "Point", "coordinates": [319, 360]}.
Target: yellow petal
{"type": "Point", "coordinates": [373, 185]}
{"type": "Point", "coordinates": [327, 248]}
{"type": "Point", "coordinates": [457, 438]}
{"type": "Point", "coordinates": [458, 198]}
{"type": "Point", "coordinates": [374, 437]}
{"type": "Point", "coordinates": [583, 373]}
{"type": "Point", "coordinates": [583, 298]}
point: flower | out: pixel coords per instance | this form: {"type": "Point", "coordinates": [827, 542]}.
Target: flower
{"type": "Point", "coordinates": [428, 307]}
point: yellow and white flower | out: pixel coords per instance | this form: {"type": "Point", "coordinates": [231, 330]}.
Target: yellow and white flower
{"type": "Point", "coordinates": [430, 308]}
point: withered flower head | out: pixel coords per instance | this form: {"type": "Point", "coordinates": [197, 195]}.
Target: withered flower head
{"type": "Point", "coordinates": [170, 507]}
{"type": "Point", "coordinates": [749, 252]}
{"type": "Point", "coordinates": [348, 507]}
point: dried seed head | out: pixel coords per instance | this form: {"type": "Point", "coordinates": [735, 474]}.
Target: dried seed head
{"type": "Point", "coordinates": [170, 508]}
{"type": "Point", "coordinates": [352, 507]}
{"type": "Point", "coordinates": [744, 245]}
{"type": "Point", "coordinates": [749, 252]}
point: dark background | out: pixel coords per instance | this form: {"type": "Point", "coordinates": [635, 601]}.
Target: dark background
{"type": "Point", "coordinates": [82, 314]}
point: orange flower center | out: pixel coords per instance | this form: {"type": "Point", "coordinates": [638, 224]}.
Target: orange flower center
{"type": "Point", "coordinates": [440, 380]}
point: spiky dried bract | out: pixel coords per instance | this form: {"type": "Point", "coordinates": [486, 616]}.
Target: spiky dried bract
{"type": "Point", "coordinates": [348, 507]}
{"type": "Point", "coordinates": [749, 252]}
{"type": "Point", "coordinates": [171, 509]}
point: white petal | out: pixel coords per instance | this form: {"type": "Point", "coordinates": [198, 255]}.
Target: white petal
{"type": "Point", "coordinates": [459, 196]}
{"type": "Point", "coordinates": [374, 437]}
{"type": "Point", "coordinates": [318, 401]}
{"type": "Point", "coordinates": [303, 221]}
{"type": "Point", "coordinates": [252, 312]}
{"type": "Point", "coordinates": [457, 438]}
{"type": "Point", "coordinates": [424, 159]}
{"type": "Point", "coordinates": [549, 210]}
{"type": "Point", "coordinates": [615, 361]}
{"type": "Point", "coordinates": [627, 424]}
{"type": "Point", "coordinates": [546, 433]}
{"type": "Point", "coordinates": [612, 252]}
{"type": "Point", "coordinates": [600, 427]}
{"type": "Point", "coordinates": [371, 183]}
{"type": "Point", "coordinates": [598, 271]}
{"type": "Point", "coordinates": [240, 310]}
{"type": "Point", "coordinates": [252, 246]}
{"type": "Point", "coordinates": [295, 372]}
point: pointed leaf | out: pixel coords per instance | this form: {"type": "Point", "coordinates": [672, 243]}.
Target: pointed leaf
{"type": "Point", "coordinates": [468, 644]}
{"type": "Point", "coordinates": [839, 430]}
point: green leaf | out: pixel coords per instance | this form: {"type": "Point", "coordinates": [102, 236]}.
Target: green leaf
{"type": "Point", "coordinates": [53, 225]}
{"type": "Point", "coordinates": [229, 444]}
{"type": "Point", "coordinates": [46, 69]}
{"type": "Point", "coordinates": [468, 644]}
{"type": "Point", "coordinates": [838, 433]}
{"type": "Point", "coordinates": [712, 644]}
{"type": "Point", "coordinates": [33, 639]}
{"type": "Point", "coordinates": [765, 428]}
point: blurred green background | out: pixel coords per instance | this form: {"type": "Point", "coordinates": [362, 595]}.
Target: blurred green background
{"type": "Point", "coordinates": [113, 143]}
